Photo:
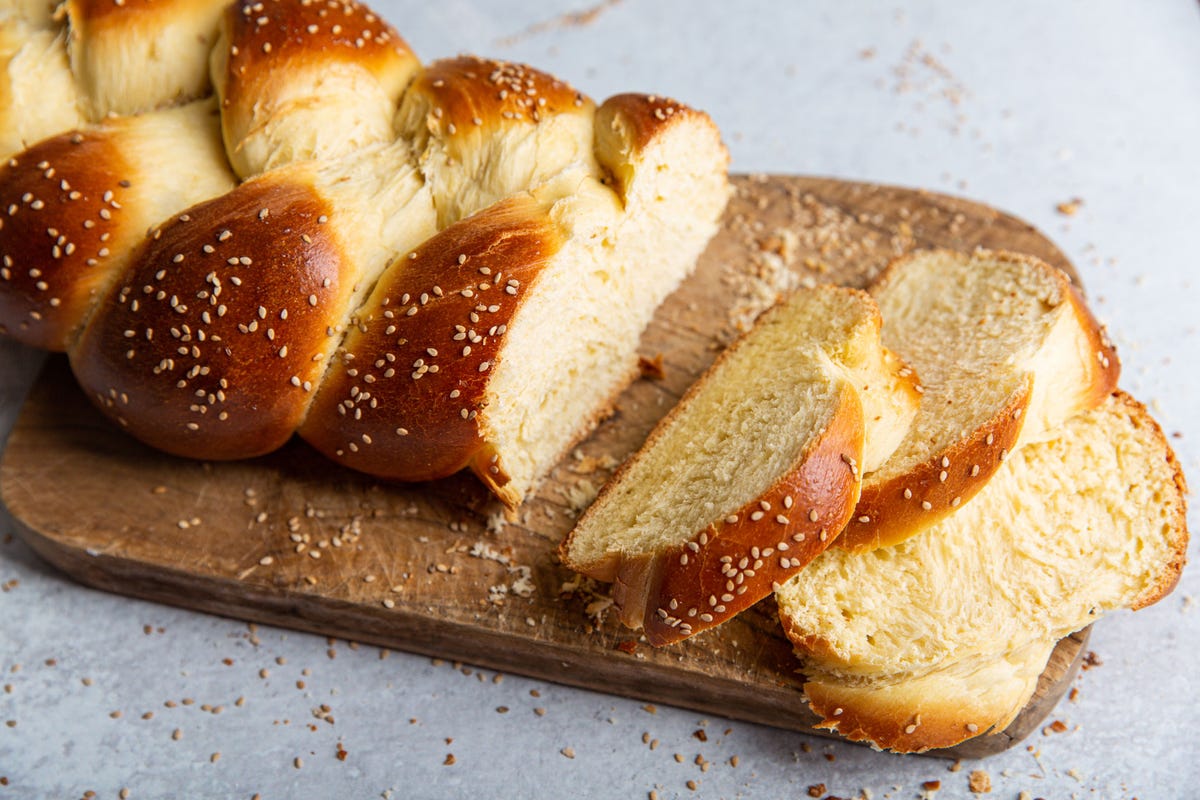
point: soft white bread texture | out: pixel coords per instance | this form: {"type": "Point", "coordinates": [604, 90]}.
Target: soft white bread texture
{"type": "Point", "coordinates": [138, 55]}
{"type": "Point", "coordinates": [1089, 520]}
{"type": "Point", "coordinates": [306, 80]}
{"type": "Point", "coordinates": [752, 474]}
{"type": "Point", "coordinates": [1005, 350]}
{"type": "Point", "coordinates": [76, 206]}
{"type": "Point", "coordinates": [38, 13]}
{"type": "Point", "coordinates": [484, 129]}
{"type": "Point", "coordinates": [38, 96]}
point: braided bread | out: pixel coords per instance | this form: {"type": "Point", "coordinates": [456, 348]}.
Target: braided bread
{"type": "Point", "coordinates": [424, 269]}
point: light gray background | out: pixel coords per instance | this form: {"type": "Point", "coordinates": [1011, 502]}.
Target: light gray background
{"type": "Point", "coordinates": [1095, 99]}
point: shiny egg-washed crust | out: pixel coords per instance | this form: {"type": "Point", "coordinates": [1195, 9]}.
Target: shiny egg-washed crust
{"type": "Point", "coordinates": [137, 55]}
{"type": "Point", "coordinates": [403, 400]}
{"type": "Point", "coordinates": [86, 175]}
{"type": "Point", "coordinates": [213, 343]}
{"type": "Point", "coordinates": [74, 207]}
{"type": "Point", "coordinates": [937, 710]}
{"type": "Point", "coordinates": [471, 93]}
{"type": "Point", "coordinates": [891, 511]}
{"type": "Point", "coordinates": [332, 68]}
{"type": "Point", "coordinates": [735, 562]}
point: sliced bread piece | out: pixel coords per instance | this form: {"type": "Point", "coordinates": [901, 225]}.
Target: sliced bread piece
{"type": "Point", "coordinates": [1084, 523]}
{"type": "Point", "coordinates": [959, 701]}
{"type": "Point", "coordinates": [1005, 350]}
{"type": "Point", "coordinates": [752, 474]}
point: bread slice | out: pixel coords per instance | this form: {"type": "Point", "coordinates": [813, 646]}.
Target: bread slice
{"type": "Point", "coordinates": [958, 701]}
{"type": "Point", "coordinates": [752, 474]}
{"type": "Point", "coordinates": [1005, 350]}
{"type": "Point", "coordinates": [1086, 522]}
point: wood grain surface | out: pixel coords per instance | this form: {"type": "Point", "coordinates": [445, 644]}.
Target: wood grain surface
{"type": "Point", "coordinates": [294, 540]}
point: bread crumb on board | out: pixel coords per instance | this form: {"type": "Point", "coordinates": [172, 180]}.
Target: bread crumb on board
{"type": "Point", "coordinates": [980, 782]}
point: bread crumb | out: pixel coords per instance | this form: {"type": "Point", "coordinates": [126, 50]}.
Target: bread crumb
{"type": "Point", "coordinates": [816, 790]}
{"type": "Point", "coordinates": [1070, 208]}
{"type": "Point", "coordinates": [980, 782]}
{"type": "Point", "coordinates": [652, 368]}
{"type": "Point", "coordinates": [569, 752]}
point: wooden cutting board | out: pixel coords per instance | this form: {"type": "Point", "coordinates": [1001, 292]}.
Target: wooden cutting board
{"type": "Point", "coordinates": [293, 540]}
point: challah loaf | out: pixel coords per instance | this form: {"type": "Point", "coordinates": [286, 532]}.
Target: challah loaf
{"type": "Point", "coordinates": [1005, 350]}
{"type": "Point", "coordinates": [214, 338]}
{"type": "Point", "coordinates": [753, 473]}
{"type": "Point", "coordinates": [1089, 520]}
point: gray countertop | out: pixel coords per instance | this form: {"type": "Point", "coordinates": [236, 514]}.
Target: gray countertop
{"type": "Point", "coordinates": [1024, 105]}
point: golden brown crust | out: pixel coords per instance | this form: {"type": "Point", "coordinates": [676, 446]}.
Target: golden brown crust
{"type": "Point", "coordinates": [267, 38]}
{"type": "Point", "coordinates": [65, 227]}
{"type": "Point", "coordinates": [891, 511]}
{"type": "Point", "coordinates": [301, 80]}
{"type": "Point", "coordinates": [912, 718]}
{"type": "Point", "coordinates": [646, 115]}
{"type": "Point", "coordinates": [470, 92]}
{"type": "Point", "coordinates": [433, 329]}
{"type": "Point", "coordinates": [630, 123]}
{"type": "Point", "coordinates": [212, 342]}
{"type": "Point", "coordinates": [735, 562]}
